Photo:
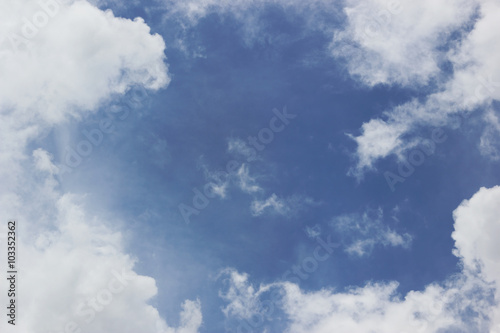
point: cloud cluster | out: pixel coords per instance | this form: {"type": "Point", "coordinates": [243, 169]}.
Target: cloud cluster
{"type": "Point", "coordinates": [238, 176]}
{"type": "Point", "coordinates": [62, 59]}
{"type": "Point", "coordinates": [476, 225]}
{"type": "Point", "coordinates": [467, 302]}
{"type": "Point", "coordinates": [75, 272]}
{"type": "Point", "coordinates": [397, 42]}
{"type": "Point", "coordinates": [450, 43]}
{"type": "Point", "coordinates": [447, 46]}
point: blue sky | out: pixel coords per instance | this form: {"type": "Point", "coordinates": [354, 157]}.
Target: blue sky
{"type": "Point", "coordinates": [371, 88]}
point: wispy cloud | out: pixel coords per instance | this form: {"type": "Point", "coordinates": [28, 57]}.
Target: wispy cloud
{"type": "Point", "coordinates": [285, 206]}
{"type": "Point", "coordinates": [361, 233]}
{"type": "Point", "coordinates": [246, 182]}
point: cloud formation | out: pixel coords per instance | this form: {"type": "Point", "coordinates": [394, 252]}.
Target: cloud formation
{"type": "Point", "coordinates": [413, 48]}
{"type": "Point", "coordinates": [61, 60]}
{"type": "Point", "coordinates": [467, 302]}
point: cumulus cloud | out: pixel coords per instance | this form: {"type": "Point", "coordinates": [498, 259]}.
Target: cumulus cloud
{"type": "Point", "coordinates": [362, 232]}
{"type": "Point", "coordinates": [62, 60]}
{"type": "Point", "coordinates": [466, 302]}
{"type": "Point", "coordinates": [78, 58]}
{"type": "Point", "coordinates": [445, 44]}
{"type": "Point", "coordinates": [476, 227]}
{"type": "Point", "coordinates": [397, 42]}
{"type": "Point", "coordinates": [88, 280]}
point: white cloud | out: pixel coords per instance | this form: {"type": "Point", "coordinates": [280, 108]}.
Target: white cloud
{"type": "Point", "coordinates": [241, 148]}
{"type": "Point", "coordinates": [73, 267]}
{"type": "Point", "coordinates": [88, 280]}
{"type": "Point", "coordinates": [80, 57]}
{"type": "Point", "coordinates": [474, 82]}
{"type": "Point", "coordinates": [402, 42]}
{"type": "Point", "coordinates": [314, 231]}
{"type": "Point", "coordinates": [462, 303]}
{"type": "Point", "coordinates": [477, 226]}
{"type": "Point", "coordinates": [246, 182]}
{"type": "Point", "coordinates": [278, 205]}
{"type": "Point", "coordinates": [362, 232]}
{"type": "Point", "coordinates": [378, 139]}
{"type": "Point", "coordinates": [375, 307]}
{"type": "Point", "coordinates": [241, 9]}
{"type": "Point", "coordinates": [218, 181]}
{"type": "Point", "coordinates": [489, 144]}
{"type": "Point", "coordinates": [286, 206]}
{"type": "Point", "coordinates": [397, 42]}
{"type": "Point", "coordinates": [242, 297]}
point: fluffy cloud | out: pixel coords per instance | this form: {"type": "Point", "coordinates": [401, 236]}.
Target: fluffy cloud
{"type": "Point", "coordinates": [88, 280]}
{"type": "Point", "coordinates": [397, 42]}
{"type": "Point", "coordinates": [449, 45]}
{"type": "Point", "coordinates": [467, 302]}
{"type": "Point", "coordinates": [61, 60]}
{"type": "Point", "coordinates": [477, 224]}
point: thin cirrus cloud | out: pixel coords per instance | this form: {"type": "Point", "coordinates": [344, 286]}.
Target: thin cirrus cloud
{"type": "Point", "coordinates": [92, 280]}
{"type": "Point", "coordinates": [220, 183]}
{"type": "Point", "coordinates": [361, 233]}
